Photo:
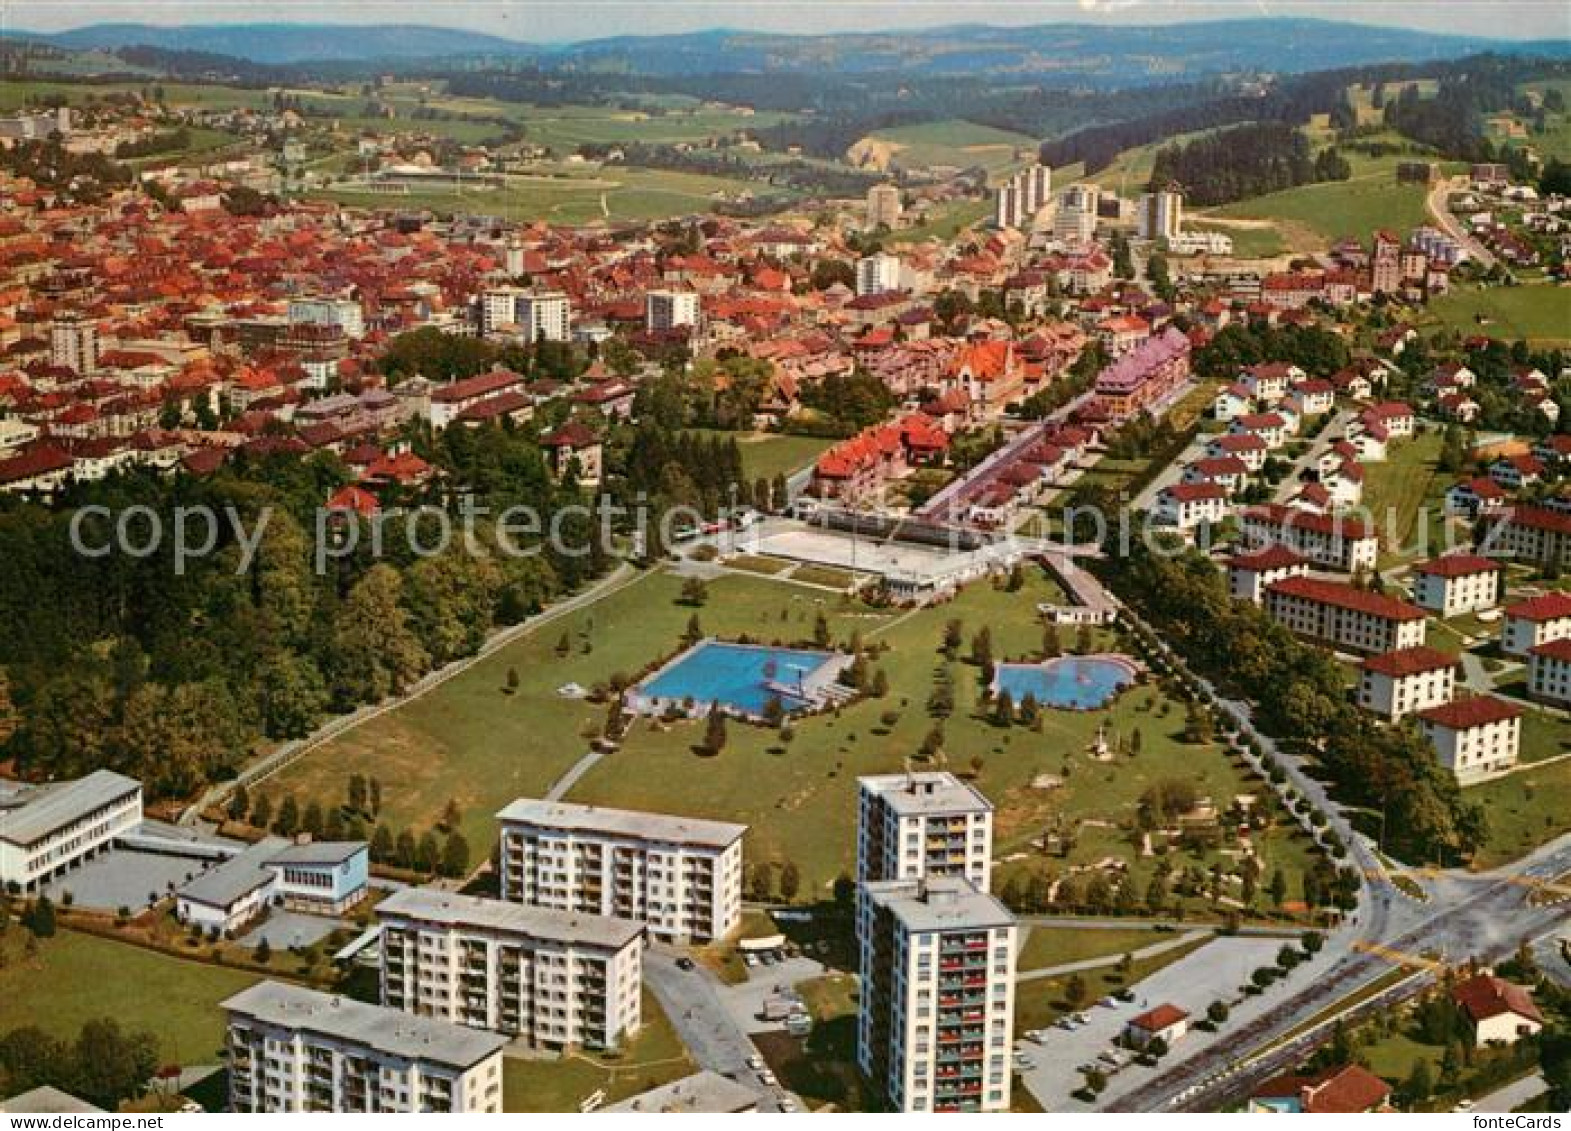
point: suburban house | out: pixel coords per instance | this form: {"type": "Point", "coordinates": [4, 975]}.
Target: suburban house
{"type": "Point", "coordinates": [1456, 583]}
{"type": "Point", "coordinates": [1474, 738]}
{"type": "Point", "coordinates": [1166, 1023]}
{"type": "Point", "coordinates": [1348, 1090]}
{"type": "Point", "coordinates": [1344, 617]}
{"type": "Point", "coordinates": [1407, 681]}
{"type": "Point", "coordinates": [575, 442]}
{"type": "Point", "coordinates": [1535, 621]}
{"type": "Point", "coordinates": [1498, 1011]}
{"type": "Point", "coordinates": [1474, 497]}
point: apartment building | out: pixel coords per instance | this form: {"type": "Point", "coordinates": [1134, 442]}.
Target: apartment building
{"type": "Point", "coordinates": [73, 343]}
{"type": "Point", "coordinates": [922, 824]}
{"type": "Point", "coordinates": [1549, 672]}
{"type": "Point", "coordinates": [1456, 583]}
{"type": "Point", "coordinates": [1250, 574]}
{"type": "Point", "coordinates": [1537, 620]}
{"type": "Point", "coordinates": [1474, 738]}
{"type": "Point", "coordinates": [668, 310]}
{"type": "Point", "coordinates": [1326, 540]}
{"type": "Point", "coordinates": [680, 876]}
{"type": "Point", "coordinates": [884, 206]}
{"type": "Point", "coordinates": [529, 315]}
{"type": "Point", "coordinates": [1405, 682]}
{"type": "Point", "coordinates": [1187, 505]}
{"type": "Point", "coordinates": [46, 830]}
{"type": "Point", "coordinates": [1161, 215]}
{"type": "Point", "coordinates": [937, 994]}
{"type": "Point", "coordinates": [877, 274]}
{"type": "Point", "coordinates": [294, 1050]}
{"type": "Point", "coordinates": [342, 313]}
{"type": "Point", "coordinates": [1533, 534]}
{"type": "Point", "coordinates": [557, 979]}
{"type": "Point", "coordinates": [1344, 617]}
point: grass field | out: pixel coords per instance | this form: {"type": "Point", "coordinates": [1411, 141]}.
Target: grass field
{"type": "Point", "coordinates": [959, 143]}
{"type": "Point", "coordinates": [1540, 312]}
{"type": "Point", "coordinates": [767, 454]}
{"type": "Point", "coordinates": [1055, 946]}
{"type": "Point", "coordinates": [1524, 810]}
{"type": "Point", "coordinates": [78, 977]}
{"type": "Point", "coordinates": [1399, 488]}
{"type": "Point", "coordinates": [1312, 216]}
{"type": "Point", "coordinates": [945, 222]}
{"type": "Point", "coordinates": [652, 1058]}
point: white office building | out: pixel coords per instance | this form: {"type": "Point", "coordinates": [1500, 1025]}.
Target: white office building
{"type": "Point", "coordinates": [669, 310]}
{"type": "Point", "coordinates": [916, 825]}
{"type": "Point", "coordinates": [526, 314]}
{"type": "Point", "coordinates": [557, 979]}
{"type": "Point", "coordinates": [46, 830]}
{"type": "Point", "coordinates": [680, 876]}
{"type": "Point", "coordinates": [297, 1050]}
{"type": "Point", "coordinates": [937, 994]}
{"type": "Point", "coordinates": [876, 274]}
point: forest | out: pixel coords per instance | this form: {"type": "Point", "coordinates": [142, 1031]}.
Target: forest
{"type": "Point", "coordinates": [1248, 160]}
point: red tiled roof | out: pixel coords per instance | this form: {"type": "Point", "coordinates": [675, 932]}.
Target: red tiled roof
{"type": "Point", "coordinates": [1347, 597]}
{"type": "Point", "coordinates": [1484, 996]}
{"type": "Point", "coordinates": [1457, 565]}
{"type": "Point", "coordinates": [1546, 606]}
{"type": "Point", "coordinates": [570, 435]}
{"type": "Point", "coordinates": [1554, 650]}
{"type": "Point", "coordinates": [1349, 1090]}
{"type": "Point", "coordinates": [1541, 518]}
{"type": "Point", "coordinates": [1274, 556]}
{"type": "Point", "coordinates": [1465, 714]}
{"type": "Point", "coordinates": [1161, 1017]}
{"type": "Point", "coordinates": [1410, 661]}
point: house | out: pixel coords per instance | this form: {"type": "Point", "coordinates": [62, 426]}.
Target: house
{"type": "Point", "coordinates": [1500, 1012]}
{"type": "Point", "coordinates": [1456, 583]}
{"type": "Point", "coordinates": [1404, 682]}
{"type": "Point", "coordinates": [1166, 1023]}
{"type": "Point", "coordinates": [1343, 616]}
{"type": "Point", "coordinates": [1229, 472]}
{"type": "Point", "coordinates": [1269, 426]}
{"type": "Point", "coordinates": [324, 879]}
{"type": "Point", "coordinates": [1535, 621]}
{"type": "Point", "coordinates": [1249, 574]}
{"type": "Point", "coordinates": [1518, 471]}
{"type": "Point", "coordinates": [575, 445]}
{"type": "Point", "coordinates": [1474, 738]}
{"type": "Point", "coordinates": [1187, 505]}
{"type": "Point", "coordinates": [1244, 446]}
{"type": "Point", "coordinates": [1311, 397]}
{"type": "Point", "coordinates": [1232, 402]}
{"type": "Point", "coordinates": [1268, 381]}
{"type": "Point", "coordinates": [1549, 672]}
{"type": "Point", "coordinates": [1346, 1090]}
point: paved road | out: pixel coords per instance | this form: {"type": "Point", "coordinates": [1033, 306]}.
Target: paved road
{"type": "Point", "coordinates": [576, 771]}
{"type": "Point", "coordinates": [706, 1026]}
{"type": "Point", "coordinates": [1437, 204]}
{"type": "Point", "coordinates": [1334, 430]}
{"type": "Point", "coordinates": [1512, 1096]}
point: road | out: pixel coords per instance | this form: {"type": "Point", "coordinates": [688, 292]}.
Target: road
{"type": "Point", "coordinates": [1512, 1096]}
{"type": "Point", "coordinates": [703, 1022]}
{"type": "Point", "coordinates": [1437, 205]}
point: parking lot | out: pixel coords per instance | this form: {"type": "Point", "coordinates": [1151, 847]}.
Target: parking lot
{"type": "Point", "coordinates": [746, 1002]}
{"type": "Point", "coordinates": [1051, 1069]}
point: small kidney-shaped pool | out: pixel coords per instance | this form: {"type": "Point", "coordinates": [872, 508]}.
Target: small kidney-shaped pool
{"type": "Point", "coordinates": [1071, 683]}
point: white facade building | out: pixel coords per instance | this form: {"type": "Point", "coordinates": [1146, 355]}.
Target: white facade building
{"type": "Point", "coordinates": [1474, 738]}
{"type": "Point", "coordinates": [670, 310]}
{"type": "Point", "coordinates": [526, 314]}
{"type": "Point", "coordinates": [1161, 215]}
{"type": "Point", "coordinates": [916, 825]}
{"type": "Point", "coordinates": [345, 313]}
{"type": "Point", "coordinates": [876, 274]}
{"type": "Point", "coordinates": [47, 830]}
{"type": "Point", "coordinates": [1403, 683]}
{"type": "Point", "coordinates": [295, 1050]}
{"type": "Point", "coordinates": [557, 979]}
{"type": "Point", "coordinates": [1456, 584]}
{"type": "Point", "coordinates": [680, 876]}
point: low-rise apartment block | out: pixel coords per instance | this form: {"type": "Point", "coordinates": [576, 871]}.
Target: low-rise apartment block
{"type": "Point", "coordinates": [1344, 617]}
{"type": "Point", "coordinates": [1250, 574]}
{"type": "Point", "coordinates": [1549, 672]}
{"type": "Point", "coordinates": [1331, 541]}
{"type": "Point", "coordinates": [557, 979]}
{"type": "Point", "coordinates": [1457, 583]}
{"type": "Point", "coordinates": [1535, 621]}
{"type": "Point", "coordinates": [1403, 683]}
{"type": "Point", "coordinates": [294, 1050]}
{"type": "Point", "coordinates": [937, 994]}
{"type": "Point", "coordinates": [680, 876]}
{"type": "Point", "coordinates": [46, 830]}
{"type": "Point", "coordinates": [1474, 738]}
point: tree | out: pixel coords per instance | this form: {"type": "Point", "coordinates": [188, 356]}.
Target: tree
{"type": "Point", "coordinates": [112, 1065]}
{"type": "Point", "coordinates": [1420, 1082]}
{"type": "Point", "coordinates": [1217, 1012]}
{"type": "Point", "coordinates": [821, 635]}
{"type": "Point", "coordinates": [1003, 709]}
{"type": "Point", "coordinates": [357, 793]}
{"type": "Point", "coordinates": [373, 653]}
{"type": "Point", "coordinates": [41, 920]}
{"type": "Point", "coordinates": [512, 681]}
{"type": "Point", "coordinates": [694, 592]}
{"type": "Point", "coordinates": [262, 812]}
{"type": "Point", "coordinates": [427, 853]}
{"type": "Point", "coordinates": [1278, 888]}
{"type": "Point", "coordinates": [790, 881]}
{"type": "Point", "coordinates": [1076, 992]}
{"type": "Point", "coordinates": [239, 803]}
{"type": "Point", "coordinates": [263, 954]}
{"type": "Point", "coordinates": [455, 857]}
{"type": "Point", "coordinates": [382, 844]}
{"type": "Point", "coordinates": [715, 730]}
{"type": "Point", "coordinates": [288, 822]}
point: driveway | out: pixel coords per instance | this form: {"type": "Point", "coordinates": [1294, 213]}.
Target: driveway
{"type": "Point", "coordinates": [693, 1001]}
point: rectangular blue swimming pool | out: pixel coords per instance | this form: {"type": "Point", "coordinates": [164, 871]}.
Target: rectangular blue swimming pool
{"type": "Point", "coordinates": [740, 677]}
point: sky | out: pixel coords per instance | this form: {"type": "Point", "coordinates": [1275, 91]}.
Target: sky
{"type": "Point", "coordinates": [544, 21]}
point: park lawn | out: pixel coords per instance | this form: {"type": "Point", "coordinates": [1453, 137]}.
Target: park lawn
{"type": "Point", "coordinates": [768, 454]}
{"type": "Point", "coordinates": [1041, 1001]}
{"type": "Point", "coordinates": [1397, 488]}
{"type": "Point", "coordinates": [470, 741]}
{"type": "Point", "coordinates": [1543, 736]}
{"type": "Point", "coordinates": [1540, 312]}
{"type": "Point", "coordinates": [752, 563]}
{"type": "Point", "coordinates": [78, 977]}
{"type": "Point", "coordinates": [826, 576]}
{"type": "Point", "coordinates": [1249, 242]}
{"type": "Point", "coordinates": [655, 1056]}
{"type": "Point", "coordinates": [1523, 810]}
{"type": "Point", "coordinates": [1055, 946]}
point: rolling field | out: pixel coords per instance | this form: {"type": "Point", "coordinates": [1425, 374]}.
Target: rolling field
{"type": "Point", "coordinates": [767, 454]}
{"type": "Point", "coordinates": [957, 142]}
{"type": "Point", "coordinates": [1540, 312]}
{"type": "Point", "coordinates": [1312, 216]}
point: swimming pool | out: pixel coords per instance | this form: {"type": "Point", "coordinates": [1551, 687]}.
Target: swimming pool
{"type": "Point", "coordinates": [1076, 683]}
{"type": "Point", "coordinates": [740, 677]}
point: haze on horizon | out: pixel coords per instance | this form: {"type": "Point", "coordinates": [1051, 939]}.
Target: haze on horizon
{"type": "Point", "coordinates": [555, 21]}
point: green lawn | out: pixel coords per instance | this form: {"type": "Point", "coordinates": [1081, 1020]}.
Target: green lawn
{"type": "Point", "coordinates": [1398, 488]}
{"type": "Point", "coordinates": [1334, 209]}
{"type": "Point", "coordinates": [1056, 946]}
{"type": "Point", "coordinates": [652, 1058]}
{"type": "Point", "coordinates": [78, 977]}
{"type": "Point", "coordinates": [1540, 312]}
{"type": "Point", "coordinates": [959, 143]}
{"type": "Point", "coordinates": [1524, 810]}
{"type": "Point", "coordinates": [767, 454]}
{"type": "Point", "coordinates": [1249, 242]}
{"type": "Point", "coordinates": [945, 222]}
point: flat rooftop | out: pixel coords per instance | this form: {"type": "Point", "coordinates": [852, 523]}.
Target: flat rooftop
{"type": "Point", "coordinates": [236, 877]}
{"type": "Point", "coordinates": [702, 1092]}
{"type": "Point", "coordinates": [567, 817]}
{"type": "Point", "coordinates": [388, 1031]}
{"type": "Point", "coordinates": [926, 793]}
{"type": "Point", "coordinates": [450, 909]}
{"type": "Point", "coordinates": [940, 904]}
{"type": "Point", "coordinates": [30, 815]}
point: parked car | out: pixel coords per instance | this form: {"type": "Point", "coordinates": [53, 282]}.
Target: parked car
{"type": "Point", "coordinates": [684, 963]}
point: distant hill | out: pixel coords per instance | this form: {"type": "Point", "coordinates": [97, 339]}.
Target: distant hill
{"type": "Point", "coordinates": [1062, 53]}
